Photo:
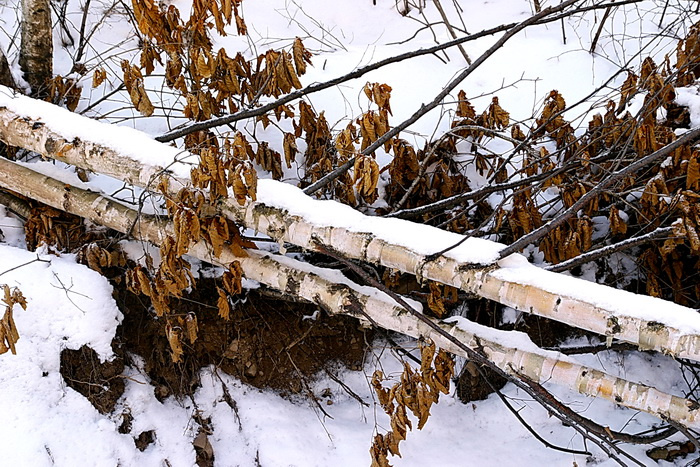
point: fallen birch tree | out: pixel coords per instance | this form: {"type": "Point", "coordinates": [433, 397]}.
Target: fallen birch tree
{"type": "Point", "coordinates": [473, 266]}
{"type": "Point", "coordinates": [510, 351]}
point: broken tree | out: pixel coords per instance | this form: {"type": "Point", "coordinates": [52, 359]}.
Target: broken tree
{"type": "Point", "coordinates": [473, 267]}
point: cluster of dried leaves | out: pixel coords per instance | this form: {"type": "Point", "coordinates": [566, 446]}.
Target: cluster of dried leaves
{"type": "Point", "coordinates": [173, 276]}
{"type": "Point", "coordinates": [416, 391]}
{"type": "Point", "coordinates": [49, 226]}
{"type": "Point", "coordinates": [169, 281]}
{"type": "Point", "coordinates": [99, 259]}
{"type": "Point", "coordinates": [8, 331]}
{"type": "Point", "coordinates": [558, 166]}
{"type": "Point", "coordinates": [209, 81]}
{"type": "Point", "coordinates": [64, 91]}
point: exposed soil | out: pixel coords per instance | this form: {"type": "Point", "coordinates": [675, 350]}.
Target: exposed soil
{"type": "Point", "coordinates": [266, 343]}
{"type": "Point", "coordinates": [477, 382]}
{"type": "Point", "coordinates": [545, 332]}
{"type": "Point", "coordinates": [100, 383]}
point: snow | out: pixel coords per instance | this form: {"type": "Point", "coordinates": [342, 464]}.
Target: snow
{"type": "Point", "coordinates": [45, 422]}
{"type": "Point", "coordinates": [420, 238]}
{"type": "Point", "coordinates": [68, 306]}
{"type": "Point", "coordinates": [508, 339]}
{"type": "Point", "coordinates": [337, 277]}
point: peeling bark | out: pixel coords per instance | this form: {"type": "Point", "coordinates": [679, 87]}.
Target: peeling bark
{"type": "Point", "coordinates": [343, 297]}
{"type": "Point", "coordinates": [36, 50]}
{"type": "Point", "coordinates": [490, 282]}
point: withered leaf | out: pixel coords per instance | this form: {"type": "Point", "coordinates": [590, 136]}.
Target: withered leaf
{"type": "Point", "coordinates": [223, 304]}
{"type": "Point", "coordinates": [497, 118]}
{"type": "Point", "coordinates": [517, 133]}
{"type": "Point", "coordinates": [290, 149]}
{"type": "Point", "coordinates": [232, 278]}
{"type": "Point", "coordinates": [244, 181]}
{"type": "Point", "coordinates": [301, 56]}
{"type": "Point", "coordinates": [380, 94]}
{"type": "Point", "coordinates": [191, 326]}
{"type": "Point", "coordinates": [8, 330]}
{"type": "Point", "coordinates": [217, 233]}
{"type": "Point", "coordinates": [628, 89]}
{"type": "Point", "coordinates": [435, 301]}
{"type": "Point", "coordinates": [617, 224]}
{"type": "Point", "coordinates": [173, 335]}
{"type": "Point", "coordinates": [366, 177]}
{"type": "Point", "coordinates": [133, 80]}
{"type": "Point", "coordinates": [98, 77]}
{"type": "Point", "coordinates": [427, 352]}
{"type": "Point", "coordinates": [464, 108]}
{"type": "Point", "coordinates": [692, 181]}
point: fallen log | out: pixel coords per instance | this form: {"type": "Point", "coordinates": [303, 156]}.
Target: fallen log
{"type": "Point", "coordinates": [284, 213]}
{"type": "Point", "coordinates": [511, 351]}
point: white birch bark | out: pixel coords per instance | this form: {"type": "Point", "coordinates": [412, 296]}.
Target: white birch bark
{"type": "Point", "coordinates": [670, 328]}
{"type": "Point", "coordinates": [336, 294]}
{"type": "Point", "coordinates": [36, 50]}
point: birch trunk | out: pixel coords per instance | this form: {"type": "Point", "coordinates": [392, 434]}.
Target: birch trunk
{"type": "Point", "coordinates": [36, 50]}
{"type": "Point", "coordinates": [336, 294]}
{"type": "Point", "coordinates": [666, 327]}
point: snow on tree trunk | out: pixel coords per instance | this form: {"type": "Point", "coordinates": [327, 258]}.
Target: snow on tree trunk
{"type": "Point", "coordinates": [650, 323]}
{"type": "Point", "coordinates": [511, 351]}
{"type": "Point", "coordinates": [36, 50]}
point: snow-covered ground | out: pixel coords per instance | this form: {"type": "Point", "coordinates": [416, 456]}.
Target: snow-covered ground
{"type": "Point", "coordinates": [45, 422]}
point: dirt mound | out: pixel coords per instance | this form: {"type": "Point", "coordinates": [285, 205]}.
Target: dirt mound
{"type": "Point", "coordinates": [267, 343]}
{"type": "Point", "coordinates": [100, 383]}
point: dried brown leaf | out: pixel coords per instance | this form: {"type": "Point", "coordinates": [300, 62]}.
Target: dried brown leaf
{"type": "Point", "coordinates": [173, 335]}
{"type": "Point", "coordinates": [301, 56]}
{"type": "Point", "coordinates": [98, 77]}
{"type": "Point", "coordinates": [692, 181]}
{"type": "Point", "coordinates": [290, 149]}
{"type": "Point", "coordinates": [617, 224]}
{"type": "Point", "coordinates": [223, 304]}
{"type": "Point", "coordinates": [192, 327]}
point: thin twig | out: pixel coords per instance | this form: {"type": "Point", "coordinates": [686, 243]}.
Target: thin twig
{"type": "Point", "coordinates": [26, 264]}
{"type": "Point", "coordinates": [528, 427]}
{"type": "Point", "coordinates": [83, 39]}
{"type": "Point", "coordinates": [230, 401]}
{"type": "Point", "coordinates": [346, 388]}
{"type": "Point", "coordinates": [451, 30]}
{"type": "Point", "coordinates": [600, 28]}
{"type": "Point", "coordinates": [459, 198]}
